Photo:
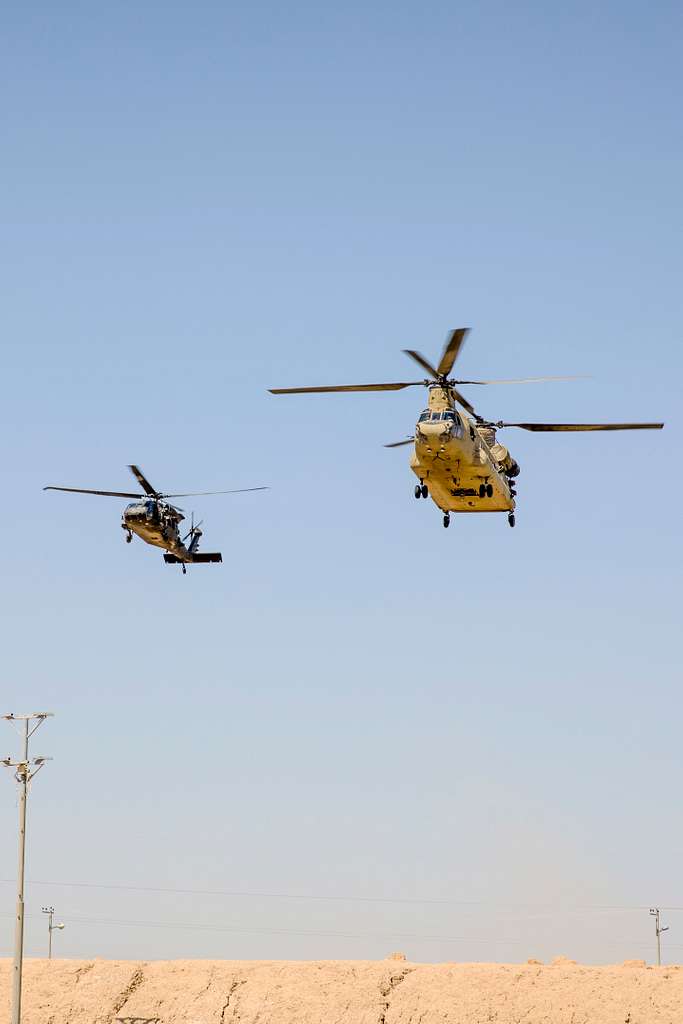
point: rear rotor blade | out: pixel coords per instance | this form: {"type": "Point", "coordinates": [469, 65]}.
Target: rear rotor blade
{"type": "Point", "coordinates": [84, 490]}
{"type": "Point", "coordinates": [451, 350]}
{"type": "Point", "coordinates": [420, 359]}
{"type": "Point", "coordinates": [552, 427]}
{"type": "Point", "coordinates": [346, 387]}
{"type": "Point", "coordinates": [399, 444]}
{"type": "Point", "coordinates": [143, 481]}
{"type": "Point", "coordinates": [197, 494]}
{"type": "Point", "coordinates": [521, 380]}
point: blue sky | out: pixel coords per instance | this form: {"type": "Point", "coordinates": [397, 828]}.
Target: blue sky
{"type": "Point", "coordinates": [203, 202]}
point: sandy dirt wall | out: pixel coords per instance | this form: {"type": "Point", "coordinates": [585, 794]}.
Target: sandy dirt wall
{"type": "Point", "coordinates": [352, 992]}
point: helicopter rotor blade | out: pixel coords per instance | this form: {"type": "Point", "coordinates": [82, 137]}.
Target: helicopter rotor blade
{"type": "Point", "coordinates": [85, 490]}
{"type": "Point", "coordinates": [522, 380]}
{"type": "Point", "coordinates": [463, 402]}
{"type": "Point", "coordinates": [454, 342]}
{"type": "Point", "coordinates": [421, 361]}
{"type": "Point", "coordinates": [558, 427]}
{"type": "Point", "coordinates": [346, 387]}
{"type": "Point", "coordinates": [197, 494]}
{"type": "Point", "coordinates": [399, 444]}
{"type": "Point", "coordinates": [143, 481]}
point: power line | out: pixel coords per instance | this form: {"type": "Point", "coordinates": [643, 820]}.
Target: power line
{"type": "Point", "coordinates": [319, 933]}
{"type": "Point", "coordinates": [439, 901]}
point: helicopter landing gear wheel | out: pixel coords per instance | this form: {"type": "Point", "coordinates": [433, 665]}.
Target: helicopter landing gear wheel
{"type": "Point", "coordinates": [489, 490]}
{"type": "Point", "coordinates": [482, 490]}
{"type": "Point", "coordinates": [418, 491]}
{"type": "Point", "coordinates": [129, 537]}
{"type": "Point", "coordinates": [184, 569]}
{"type": "Point", "coordinates": [446, 521]}
{"type": "Point", "coordinates": [511, 519]}
{"type": "Point", "coordinates": [425, 491]}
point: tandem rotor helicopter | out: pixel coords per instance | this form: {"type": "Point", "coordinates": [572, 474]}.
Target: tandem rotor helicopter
{"type": "Point", "coordinates": [458, 460]}
{"type": "Point", "coordinates": [157, 522]}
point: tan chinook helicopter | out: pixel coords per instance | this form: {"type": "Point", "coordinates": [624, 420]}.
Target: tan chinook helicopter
{"type": "Point", "coordinates": [157, 522]}
{"type": "Point", "coordinates": [458, 459]}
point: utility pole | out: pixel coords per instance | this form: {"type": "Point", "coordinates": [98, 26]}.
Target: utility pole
{"type": "Point", "coordinates": [654, 911]}
{"type": "Point", "coordinates": [50, 911]}
{"type": "Point", "coordinates": [26, 770]}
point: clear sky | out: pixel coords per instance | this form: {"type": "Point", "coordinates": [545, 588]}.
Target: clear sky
{"type": "Point", "coordinates": [201, 201]}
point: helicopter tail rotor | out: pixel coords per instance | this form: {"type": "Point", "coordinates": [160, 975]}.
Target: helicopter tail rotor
{"type": "Point", "coordinates": [194, 534]}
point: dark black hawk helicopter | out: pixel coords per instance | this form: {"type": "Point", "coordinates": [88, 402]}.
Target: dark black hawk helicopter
{"type": "Point", "coordinates": [157, 522]}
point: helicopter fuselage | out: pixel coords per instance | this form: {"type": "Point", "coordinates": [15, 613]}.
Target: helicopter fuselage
{"type": "Point", "coordinates": [156, 523]}
{"type": "Point", "coordinates": [453, 458]}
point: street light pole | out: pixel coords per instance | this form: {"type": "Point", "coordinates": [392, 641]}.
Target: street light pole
{"type": "Point", "coordinates": [25, 771]}
{"type": "Point", "coordinates": [654, 911]}
{"type": "Point", "coordinates": [50, 911]}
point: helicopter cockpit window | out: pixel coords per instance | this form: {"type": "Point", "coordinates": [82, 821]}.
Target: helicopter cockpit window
{"type": "Point", "coordinates": [150, 508]}
{"type": "Point", "coordinates": [437, 417]}
{"type": "Point", "coordinates": [451, 416]}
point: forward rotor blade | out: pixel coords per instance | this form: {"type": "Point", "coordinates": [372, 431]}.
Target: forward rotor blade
{"type": "Point", "coordinates": [198, 494]}
{"type": "Point", "coordinates": [420, 359]}
{"type": "Point", "coordinates": [143, 481]}
{"type": "Point", "coordinates": [552, 427]}
{"type": "Point", "coordinates": [84, 490]}
{"type": "Point", "coordinates": [399, 444]}
{"type": "Point", "coordinates": [346, 387]}
{"type": "Point", "coordinates": [463, 401]}
{"type": "Point", "coordinates": [521, 380]}
{"type": "Point", "coordinates": [451, 351]}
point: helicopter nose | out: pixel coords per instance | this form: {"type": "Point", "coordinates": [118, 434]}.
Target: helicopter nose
{"type": "Point", "coordinates": [134, 514]}
{"type": "Point", "coordinates": [434, 431]}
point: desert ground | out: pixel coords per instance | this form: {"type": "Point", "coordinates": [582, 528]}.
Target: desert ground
{"type": "Point", "coordinates": [392, 991]}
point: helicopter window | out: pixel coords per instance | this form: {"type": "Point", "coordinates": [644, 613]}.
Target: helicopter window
{"type": "Point", "coordinates": [424, 416]}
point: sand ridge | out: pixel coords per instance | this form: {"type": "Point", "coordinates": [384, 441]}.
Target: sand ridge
{"type": "Point", "coordinates": [392, 991]}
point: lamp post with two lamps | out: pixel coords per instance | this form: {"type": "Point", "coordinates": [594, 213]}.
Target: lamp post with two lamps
{"type": "Point", "coordinates": [51, 927]}
{"type": "Point", "coordinates": [654, 912]}
{"type": "Point", "coordinates": [25, 770]}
